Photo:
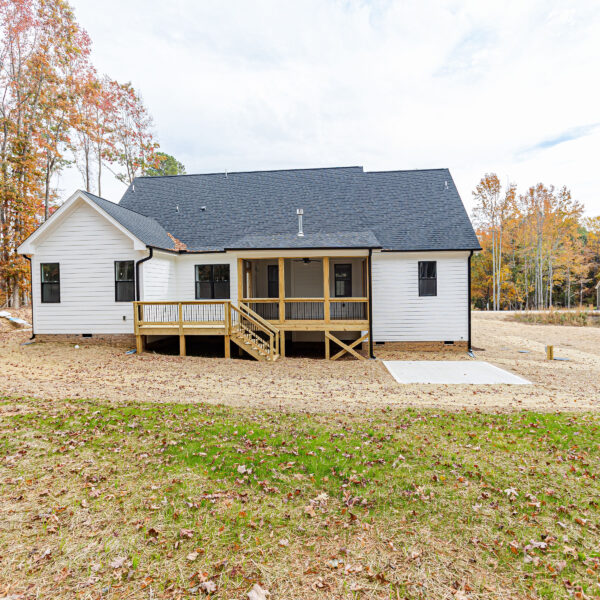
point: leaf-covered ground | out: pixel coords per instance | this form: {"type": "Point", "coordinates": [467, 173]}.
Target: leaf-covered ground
{"type": "Point", "coordinates": [175, 501]}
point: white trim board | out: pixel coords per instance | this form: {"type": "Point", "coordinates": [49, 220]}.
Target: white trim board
{"type": "Point", "coordinates": [451, 372]}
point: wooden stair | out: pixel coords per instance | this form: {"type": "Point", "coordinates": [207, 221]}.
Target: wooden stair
{"type": "Point", "coordinates": [244, 333]}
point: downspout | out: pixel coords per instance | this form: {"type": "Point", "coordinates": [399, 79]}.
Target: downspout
{"type": "Point", "coordinates": [137, 272]}
{"type": "Point", "coordinates": [369, 264]}
{"type": "Point", "coordinates": [31, 287]}
{"type": "Point", "coordinates": [469, 299]}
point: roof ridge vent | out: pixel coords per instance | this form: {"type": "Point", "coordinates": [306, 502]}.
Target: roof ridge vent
{"type": "Point", "coordinates": [300, 213]}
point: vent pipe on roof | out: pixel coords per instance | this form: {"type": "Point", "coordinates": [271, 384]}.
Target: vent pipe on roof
{"type": "Point", "coordinates": [300, 212]}
{"type": "Point", "coordinates": [445, 185]}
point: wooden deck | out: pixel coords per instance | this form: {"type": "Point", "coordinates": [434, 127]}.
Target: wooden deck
{"type": "Point", "coordinates": [246, 325]}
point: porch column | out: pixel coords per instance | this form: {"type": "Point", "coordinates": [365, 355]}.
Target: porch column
{"type": "Point", "coordinates": [326, 311]}
{"type": "Point", "coordinates": [240, 274]}
{"type": "Point", "coordinates": [281, 265]}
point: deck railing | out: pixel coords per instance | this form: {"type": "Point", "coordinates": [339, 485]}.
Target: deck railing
{"type": "Point", "coordinates": [311, 309]}
{"type": "Point", "coordinates": [181, 318]}
{"type": "Point", "coordinates": [162, 314]}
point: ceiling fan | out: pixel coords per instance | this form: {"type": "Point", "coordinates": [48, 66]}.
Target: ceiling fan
{"type": "Point", "coordinates": [306, 261]}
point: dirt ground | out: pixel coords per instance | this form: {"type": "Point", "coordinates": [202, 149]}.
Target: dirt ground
{"type": "Point", "coordinates": [59, 370]}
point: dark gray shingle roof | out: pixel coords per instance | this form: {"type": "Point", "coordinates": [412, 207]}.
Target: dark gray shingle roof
{"type": "Point", "coordinates": [343, 207]}
{"type": "Point", "coordinates": [338, 239]}
{"type": "Point", "coordinates": [146, 229]}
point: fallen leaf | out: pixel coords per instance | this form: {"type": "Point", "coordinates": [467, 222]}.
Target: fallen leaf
{"type": "Point", "coordinates": [118, 562]}
{"type": "Point", "coordinates": [208, 586]}
{"type": "Point", "coordinates": [258, 593]}
{"type": "Point", "coordinates": [186, 533]}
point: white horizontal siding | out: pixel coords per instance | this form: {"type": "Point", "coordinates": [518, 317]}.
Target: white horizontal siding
{"type": "Point", "coordinates": [86, 245]}
{"type": "Point", "coordinates": [159, 277]}
{"type": "Point", "coordinates": [400, 314]}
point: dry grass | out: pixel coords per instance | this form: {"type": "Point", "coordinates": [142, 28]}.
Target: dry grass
{"type": "Point", "coordinates": [577, 318]}
{"type": "Point", "coordinates": [58, 370]}
{"type": "Point", "coordinates": [168, 500]}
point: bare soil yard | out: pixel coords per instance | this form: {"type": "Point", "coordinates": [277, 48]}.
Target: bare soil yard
{"type": "Point", "coordinates": [58, 371]}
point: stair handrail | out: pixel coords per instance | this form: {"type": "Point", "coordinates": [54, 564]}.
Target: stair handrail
{"type": "Point", "coordinates": [265, 326]}
{"type": "Point", "coordinates": [258, 318]}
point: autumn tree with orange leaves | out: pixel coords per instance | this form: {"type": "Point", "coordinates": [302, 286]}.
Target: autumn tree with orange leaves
{"type": "Point", "coordinates": [538, 249]}
{"type": "Point", "coordinates": [56, 110]}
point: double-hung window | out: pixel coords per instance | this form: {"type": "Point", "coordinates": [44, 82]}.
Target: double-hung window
{"type": "Point", "coordinates": [212, 282]}
{"type": "Point", "coordinates": [50, 282]}
{"type": "Point", "coordinates": [124, 281]}
{"type": "Point", "coordinates": [427, 278]}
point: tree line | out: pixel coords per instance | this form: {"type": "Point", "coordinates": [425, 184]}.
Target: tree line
{"type": "Point", "coordinates": [57, 111]}
{"type": "Point", "coordinates": [539, 250]}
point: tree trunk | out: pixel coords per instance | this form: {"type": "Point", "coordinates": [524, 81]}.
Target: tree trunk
{"type": "Point", "coordinates": [16, 296]}
{"type": "Point", "coordinates": [99, 175]}
{"type": "Point", "coordinates": [87, 170]}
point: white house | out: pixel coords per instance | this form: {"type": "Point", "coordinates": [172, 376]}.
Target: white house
{"type": "Point", "coordinates": [263, 258]}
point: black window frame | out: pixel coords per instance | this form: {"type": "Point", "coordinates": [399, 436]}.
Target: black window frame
{"type": "Point", "coordinates": [347, 268]}
{"type": "Point", "coordinates": [45, 284]}
{"type": "Point", "coordinates": [212, 281]}
{"type": "Point", "coordinates": [272, 281]}
{"type": "Point", "coordinates": [427, 281]}
{"type": "Point", "coordinates": [119, 282]}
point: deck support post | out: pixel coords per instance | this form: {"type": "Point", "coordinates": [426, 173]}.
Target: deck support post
{"type": "Point", "coordinates": [227, 336]}
{"type": "Point", "coordinates": [282, 343]}
{"type": "Point", "coordinates": [181, 332]}
{"type": "Point", "coordinates": [327, 347]}
{"type": "Point", "coordinates": [139, 343]}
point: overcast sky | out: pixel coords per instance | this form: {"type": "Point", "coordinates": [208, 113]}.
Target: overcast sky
{"type": "Point", "coordinates": [476, 86]}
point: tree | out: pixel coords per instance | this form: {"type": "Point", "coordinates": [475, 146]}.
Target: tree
{"type": "Point", "coordinates": [133, 147]}
{"type": "Point", "coordinates": [53, 106]}
{"type": "Point", "coordinates": [95, 143]}
{"type": "Point", "coordinates": [166, 165]}
{"type": "Point", "coordinates": [492, 211]}
{"type": "Point", "coordinates": [537, 251]}
{"type": "Point", "coordinates": [23, 74]}
{"type": "Point", "coordinates": [65, 48]}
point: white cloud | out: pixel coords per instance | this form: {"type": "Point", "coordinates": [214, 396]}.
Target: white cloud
{"type": "Point", "coordinates": [475, 86]}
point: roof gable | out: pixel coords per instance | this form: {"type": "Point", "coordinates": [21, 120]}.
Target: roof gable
{"type": "Point", "coordinates": [63, 211]}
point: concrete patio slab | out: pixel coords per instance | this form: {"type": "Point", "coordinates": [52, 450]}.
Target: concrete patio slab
{"type": "Point", "coordinates": [451, 372]}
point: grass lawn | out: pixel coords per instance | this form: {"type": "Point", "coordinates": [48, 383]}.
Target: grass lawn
{"type": "Point", "coordinates": [177, 501]}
